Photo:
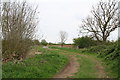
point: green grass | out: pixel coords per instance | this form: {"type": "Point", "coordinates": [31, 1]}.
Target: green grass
{"type": "Point", "coordinates": [87, 65]}
{"type": "Point", "coordinates": [39, 66]}
{"type": "Point", "coordinates": [87, 68]}
{"type": "Point", "coordinates": [52, 61]}
{"type": "Point", "coordinates": [111, 68]}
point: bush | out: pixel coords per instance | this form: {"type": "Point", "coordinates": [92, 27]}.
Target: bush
{"type": "Point", "coordinates": [18, 25]}
{"type": "Point", "coordinates": [44, 42]}
{"type": "Point", "coordinates": [95, 49]}
{"type": "Point", "coordinates": [84, 42]}
{"type": "Point", "coordinates": [36, 42]}
{"type": "Point", "coordinates": [15, 49]}
{"type": "Point", "coordinates": [108, 52]}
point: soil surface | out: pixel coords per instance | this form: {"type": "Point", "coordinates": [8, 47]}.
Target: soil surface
{"type": "Point", "coordinates": [100, 70]}
{"type": "Point", "coordinates": [72, 67]}
{"type": "Point", "coordinates": [69, 70]}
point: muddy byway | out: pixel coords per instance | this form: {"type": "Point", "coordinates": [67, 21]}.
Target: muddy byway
{"type": "Point", "coordinates": [69, 70]}
{"type": "Point", "coordinates": [74, 66]}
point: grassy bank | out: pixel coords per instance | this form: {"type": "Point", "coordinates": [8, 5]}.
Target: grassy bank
{"type": "Point", "coordinates": [40, 66]}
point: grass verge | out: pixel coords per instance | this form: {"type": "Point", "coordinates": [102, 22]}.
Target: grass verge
{"type": "Point", "coordinates": [44, 65]}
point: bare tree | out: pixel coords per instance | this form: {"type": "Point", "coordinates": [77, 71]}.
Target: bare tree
{"type": "Point", "coordinates": [103, 20]}
{"type": "Point", "coordinates": [63, 37]}
{"type": "Point", "coordinates": [18, 25]}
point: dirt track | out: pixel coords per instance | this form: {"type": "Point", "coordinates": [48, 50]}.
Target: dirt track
{"type": "Point", "coordinates": [73, 66]}
{"type": "Point", "coordinates": [69, 70]}
{"type": "Point", "coordinates": [99, 67]}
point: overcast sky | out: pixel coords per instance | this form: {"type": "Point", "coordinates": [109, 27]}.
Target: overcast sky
{"type": "Point", "coordinates": [65, 15]}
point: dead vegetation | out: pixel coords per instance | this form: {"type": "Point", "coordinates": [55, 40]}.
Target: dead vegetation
{"type": "Point", "coordinates": [18, 26]}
